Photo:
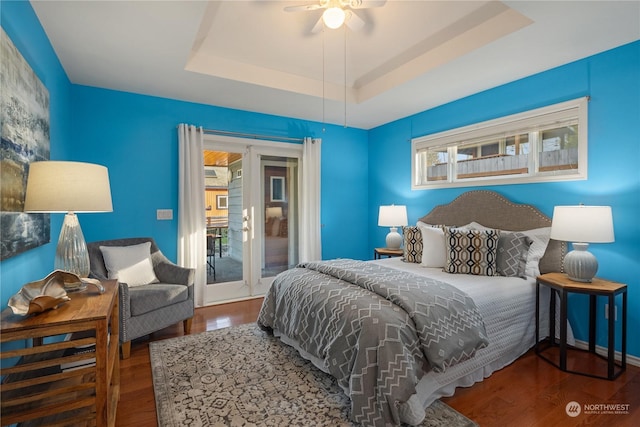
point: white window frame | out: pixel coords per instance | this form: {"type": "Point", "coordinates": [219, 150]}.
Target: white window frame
{"type": "Point", "coordinates": [277, 186]}
{"type": "Point", "coordinates": [222, 201]}
{"type": "Point", "coordinates": [528, 121]}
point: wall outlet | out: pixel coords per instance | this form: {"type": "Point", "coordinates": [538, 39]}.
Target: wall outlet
{"type": "Point", "coordinates": [164, 214]}
{"type": "Point", "coordinates": [615, 312]}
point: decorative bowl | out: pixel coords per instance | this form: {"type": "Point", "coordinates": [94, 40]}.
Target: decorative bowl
{"type": "Point", "coordinates": [42, 295]}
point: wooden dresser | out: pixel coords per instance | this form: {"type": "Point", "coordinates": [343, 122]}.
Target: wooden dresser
{"type": "Point", "coordinates": [36, 390]}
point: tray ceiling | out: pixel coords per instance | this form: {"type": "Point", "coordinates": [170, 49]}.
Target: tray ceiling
{"type": "Point", "coordinates": [254, 56]}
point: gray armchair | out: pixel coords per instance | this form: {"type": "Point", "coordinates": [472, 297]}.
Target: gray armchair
{"type": "Point", "coordinates": [148, 308]}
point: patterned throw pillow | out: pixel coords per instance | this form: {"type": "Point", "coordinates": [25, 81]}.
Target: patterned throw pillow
{"type": "Point", "coordinates": [412, 244]}
{"type": "Point", "coordinates": [471, 251]}
{"type": "Point", "coordinates": [512, 254]}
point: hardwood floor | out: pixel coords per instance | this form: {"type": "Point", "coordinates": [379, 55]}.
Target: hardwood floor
{"type": "Point", "coordinates": [530, 392]}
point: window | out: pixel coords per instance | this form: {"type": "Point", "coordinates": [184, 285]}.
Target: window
{"type": "Point", "coordinates": [277, 189]}
{"type": "Point", "coordinates": [222, 201]}
{"type": "Point", "coordinates": [546, 144]}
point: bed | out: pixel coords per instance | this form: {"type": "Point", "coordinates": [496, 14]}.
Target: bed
{"type": "Point", "coordinates": [399, 333]}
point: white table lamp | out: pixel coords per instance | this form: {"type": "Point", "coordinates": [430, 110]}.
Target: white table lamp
{"type": "Point", "coordinates": [393, 216]}
{"type": "Point", "coordinates": [582, 225]}
{"type": "Point", "coordinates": [274, 212]}
{"type": "Point", "coordinates": [69, 187]}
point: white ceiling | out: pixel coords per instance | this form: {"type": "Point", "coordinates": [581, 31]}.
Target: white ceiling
{"type": "Point", "coordinates": [252, 55]}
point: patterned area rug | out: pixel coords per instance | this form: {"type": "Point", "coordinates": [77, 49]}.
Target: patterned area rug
{"type": "Point", "coordinates": [241, 377]}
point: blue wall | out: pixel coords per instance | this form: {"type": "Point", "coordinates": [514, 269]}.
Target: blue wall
{"type": "Point", "coordinates": [612, 80]}
{"type": "Point", "coordinates": [24, 30]}
{"type": "Point", "coordinates": [135, 137]}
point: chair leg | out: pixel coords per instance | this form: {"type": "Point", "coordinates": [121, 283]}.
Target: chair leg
{"type": "Point", "coordinates": [211, 264]}
{"type": "Point", "coordinates": [126, 349]}
{"type": "Point", "coordinates": [187, 325]}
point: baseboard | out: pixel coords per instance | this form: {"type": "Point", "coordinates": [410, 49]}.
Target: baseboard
{"type": "Point", "coordinates": [227, 301]}
{"type": "Point", "coordinates": [631, 360]}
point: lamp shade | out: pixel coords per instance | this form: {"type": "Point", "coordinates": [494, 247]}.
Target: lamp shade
{"type": "Point", "coordinates": [587, 224]}
{"type": "Point", "coordinates": [582, 225]}
{"type": "Point", "coordinates": [55, 186]}
{"type": "Point", "coordinates": [274, 212]}
{"type": "Point", "coordinates": [392, 216]}
{"type": "Point", "coordinates": [69, 187]}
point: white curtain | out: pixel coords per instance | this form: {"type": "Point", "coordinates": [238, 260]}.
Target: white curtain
{"type": "Point", "coordinates": [310, 236]}
{"type": "Point", "coordinates": [192, 242]}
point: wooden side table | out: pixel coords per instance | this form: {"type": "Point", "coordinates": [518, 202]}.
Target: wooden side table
{"type": "Point", "coordinates": [37, 390]}
{"type": "Point", "coordinates": [378, 253]}
{"type": "Point", "coordinates": [561, 286]}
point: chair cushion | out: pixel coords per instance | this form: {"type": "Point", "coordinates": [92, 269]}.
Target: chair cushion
{"type": "Point", "coordinates": [144, 299]}
{"type": "Point", "coordinates": [130, 264]}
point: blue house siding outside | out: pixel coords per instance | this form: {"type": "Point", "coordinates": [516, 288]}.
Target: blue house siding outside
{"type": "Point", "coordinates": [135, 137]}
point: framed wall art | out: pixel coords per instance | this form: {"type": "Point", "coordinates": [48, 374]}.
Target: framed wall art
{"type": "Point", "coordinates": [24, 118]}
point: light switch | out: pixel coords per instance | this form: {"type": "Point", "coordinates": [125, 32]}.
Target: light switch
{"type": "Point", "coordinates": [164, 214]}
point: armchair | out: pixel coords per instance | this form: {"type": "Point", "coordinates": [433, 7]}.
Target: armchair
{"type": "Point", "coordinates": [149, 307]}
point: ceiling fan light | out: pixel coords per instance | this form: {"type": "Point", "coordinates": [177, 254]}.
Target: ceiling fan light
{"type": "Point", "coordinates": [333, 17]}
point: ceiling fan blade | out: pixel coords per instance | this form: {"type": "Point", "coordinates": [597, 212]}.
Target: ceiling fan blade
{"type": "Point", "coordinates": [366, 4]}
{"type": "Point", "coordinates": [353, 21]}
{"type": "Point", "coordinates": [318, 26]}
{"type": "Point", "coordinates": [303, 7]}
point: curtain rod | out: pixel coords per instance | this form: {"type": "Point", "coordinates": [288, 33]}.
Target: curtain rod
{"type": "Point", "coordinates": [250, 135]}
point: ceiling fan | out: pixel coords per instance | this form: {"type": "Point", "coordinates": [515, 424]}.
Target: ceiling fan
{"type": "Point", "coordinates": [337, 12]}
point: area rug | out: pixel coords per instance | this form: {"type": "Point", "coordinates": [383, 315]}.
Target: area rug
{"type": "Point", "coordinates": [242, 376]}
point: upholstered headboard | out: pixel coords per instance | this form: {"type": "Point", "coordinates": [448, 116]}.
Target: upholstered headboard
{"type": "Point", "coordinates": [492, 210]}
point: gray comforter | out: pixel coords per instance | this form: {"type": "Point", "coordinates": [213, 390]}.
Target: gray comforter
{"type": "Point", "coordinates": [376, 330]}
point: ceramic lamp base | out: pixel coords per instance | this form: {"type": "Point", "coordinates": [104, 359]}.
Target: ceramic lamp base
{"type": "Point", "coordinates": [394, 239]}
{"type": "Point", "coordinates": [580, 264]}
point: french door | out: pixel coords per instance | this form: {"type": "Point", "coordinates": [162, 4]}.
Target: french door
{"type": "Point", "coordinates": [254, 233]}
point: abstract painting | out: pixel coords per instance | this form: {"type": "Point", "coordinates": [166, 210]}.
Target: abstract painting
{"type": "Point", "coordinates": [24, 122]}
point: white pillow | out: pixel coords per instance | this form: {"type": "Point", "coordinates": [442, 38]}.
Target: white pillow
{"type": "Point", "coordinates": [475, 226]}
{"type": "Point", "coordinates": [130, 264]}
{"type": "Point", "coordinates": [434, 253]}
{"type": "Point", "coordinates": [540, 237]}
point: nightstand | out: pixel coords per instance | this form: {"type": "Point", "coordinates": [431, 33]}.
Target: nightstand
{"type": "Point", "coordinates": [561, 286]}
{"type": "Point", "coordinates": [380, 252]}
{"type": "Point", "coordinates": [38, 390]}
